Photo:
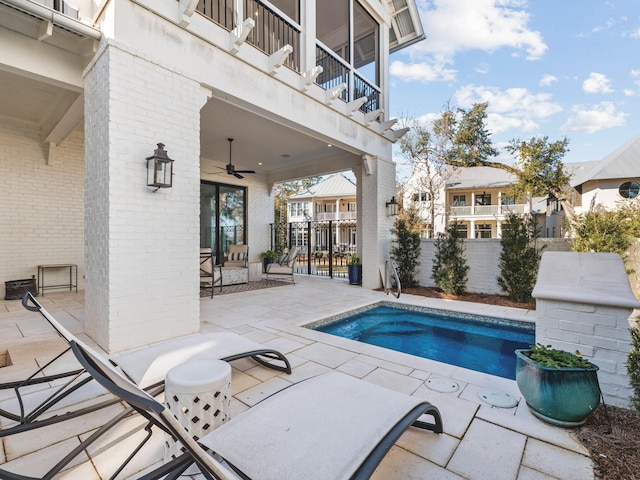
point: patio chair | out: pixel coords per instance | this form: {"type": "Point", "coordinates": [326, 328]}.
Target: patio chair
{"type": "Point", "coordinates": [285, 266]}
{"type": "Point", "coordinates": [210, 274]}
{"type": "Point", "coordinates": [145, 366]}
{"type": "Point", "coordinates": [330, 426]}
{"type": "Point", "coordinates": [237, 256]}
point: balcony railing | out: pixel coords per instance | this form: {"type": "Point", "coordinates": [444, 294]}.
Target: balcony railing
{"type": "Point", "coordinates": [336, 71]}
{"type": "Point", "coordinates": [335, 216]}
{"type": "Point", "coordinates": [487, 210]}
{"type": "Point", "coordinates": [271, 31]}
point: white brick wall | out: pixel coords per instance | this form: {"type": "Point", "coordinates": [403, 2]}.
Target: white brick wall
{"type": "Point", "coordinates": [41, 205]}
{"type": "Point", "coordinates": [483, 257]}
{"type": "Point", "coordinates": [599, 332]}
{"type": "Point", "coordinates": [142, 246]}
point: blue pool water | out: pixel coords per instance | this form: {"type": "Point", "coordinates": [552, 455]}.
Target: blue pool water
{"type": "Point", "coordinates": [479, 343]}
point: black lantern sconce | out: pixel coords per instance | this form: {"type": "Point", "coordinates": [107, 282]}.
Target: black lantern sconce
{"type": "Point", "coordinates": [392, 207]}
{"type": "Point", "coordinates": [159, 169]}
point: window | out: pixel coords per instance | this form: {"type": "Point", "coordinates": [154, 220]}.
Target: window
{"type": "Point", "coordinates": [459, 200]}
{"type": "Point", "coordinates": [463, 230]}
{"type": "Point", "coordinates": [352, 207]}
{"type": "Point", "coordinates": [483, 199]}
{"type": "Point", "coordinates": [299, 209]}
{"type": "Point", "coordinates": [415, 197]}
{"type": "Point", "coordinates": [629, 189]}
{"type": "Point", "coordinates": [483, 230]}
{"type": "Point", "coordinates": [424, 196]}
{"type": "Point", "coordinates": [330, 207]}
{"type": "Point", "coordinates": [508, 201]}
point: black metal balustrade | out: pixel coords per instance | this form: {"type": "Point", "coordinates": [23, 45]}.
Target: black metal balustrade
{"type": "Point", "coordinates": [270, 33]}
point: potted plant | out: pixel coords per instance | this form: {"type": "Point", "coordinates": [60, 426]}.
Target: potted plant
{"type": "Point", "coordinates": [268, 256]}
{"type": "Point", "coordinates": [354, 268]}
{"type": "Point", "coordinates": [559, 387]}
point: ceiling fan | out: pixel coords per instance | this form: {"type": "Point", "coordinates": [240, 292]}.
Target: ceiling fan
{"type": "Point", "coordinates": [231, 170]}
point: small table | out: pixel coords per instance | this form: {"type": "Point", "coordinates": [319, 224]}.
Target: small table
{"type": "Point", "coordinates": [71, 266]}
{"type": "Point", "coordinates": [255, 271]}
{"type": "Point", "coordinates": [198, 394]}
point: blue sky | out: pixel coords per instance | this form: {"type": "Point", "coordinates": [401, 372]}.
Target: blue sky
{"type": "Point", "coordinates": [556, 68]}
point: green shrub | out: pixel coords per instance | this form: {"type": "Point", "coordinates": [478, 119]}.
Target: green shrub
{"type": "Point", "coordinates": [406, 252]}
{"type": "Point", "coordinates": [450, 267]}
{"type": "Point", "coordinates": [633, 367]}
{"type": "Point", "coordinates": [520, 258]}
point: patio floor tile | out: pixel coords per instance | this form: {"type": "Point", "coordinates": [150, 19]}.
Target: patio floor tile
{"type": "Point", "coordinates": [488, 452]}
{"type": "Point", "coordinates": [556, 461]}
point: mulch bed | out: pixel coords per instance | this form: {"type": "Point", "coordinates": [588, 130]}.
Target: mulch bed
{"type": "Point", "coordinates": [469, 297]}
{"type": "Point", "coordinates": [615, 446]}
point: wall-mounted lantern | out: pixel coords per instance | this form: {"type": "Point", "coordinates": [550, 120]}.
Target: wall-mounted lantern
{"type": "Point", "coordinates": [159, 169]}
{"type": "Point", "coordinates": [392, 207]}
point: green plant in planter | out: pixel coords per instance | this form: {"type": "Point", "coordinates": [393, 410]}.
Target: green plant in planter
{"type": "Point", "coordinates": [353, 260]}
{"type": "Point", "coordinates": [551, 357]}
{"type": "Point", "coordinates": [559, 387]}
{"type": "Point", "coordinates": [269, 254]}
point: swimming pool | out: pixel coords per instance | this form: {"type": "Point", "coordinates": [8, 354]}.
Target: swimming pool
{"type": "Point", "coordinates": [480, 343]}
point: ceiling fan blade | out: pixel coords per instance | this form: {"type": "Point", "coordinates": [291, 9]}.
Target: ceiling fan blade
{"type": "Point", "coordinates": [237, 175]}
{"type": "Point", "coordinates": [244, 171]}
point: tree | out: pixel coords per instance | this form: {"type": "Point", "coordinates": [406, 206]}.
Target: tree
{"type": "Point", "coordinates": [406, 252]}
{"type": "Point", "coordinates": [603, 230]}
{"type": "Point", "coordinates": [538, 168]}
{"type": "Point", "coordinates": [426, 151]}
{"type": "Point", "coordinates": [520, 258]}
{"type": "Point", "coordinates": [450, 267]}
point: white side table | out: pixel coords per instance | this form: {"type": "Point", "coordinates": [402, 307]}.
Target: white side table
{"type": "Point", "coordinates": [255, 271]}
{"type": "Point", "coordinates": [198, 394]}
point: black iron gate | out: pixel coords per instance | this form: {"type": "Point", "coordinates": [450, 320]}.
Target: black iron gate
{"type": "Point", "coordinates": [325, 245]}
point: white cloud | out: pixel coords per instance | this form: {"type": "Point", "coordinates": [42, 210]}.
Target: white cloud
{"type": "Point", "coordinates": [462, 25]}
{"type": "Point", "coordinates": [547, 80]}
{"type": "Point", "coordinates": [510, 109]}
{"type": "Point", "coordinates": [597, 117]}
{"type": "Point", "coordinates": [635, 33]}
{"type": "Point", "coordinates": [597, 83]}
{"type": "Point", "coordinates": [421, 72]}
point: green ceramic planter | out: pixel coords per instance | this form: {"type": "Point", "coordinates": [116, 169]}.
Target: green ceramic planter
{"type": "Point", "coordinates": [563, 397]}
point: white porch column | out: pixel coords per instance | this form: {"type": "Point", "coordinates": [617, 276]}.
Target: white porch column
{"type": "Point", "coordinates": [376, 184]}
{"type": "Point", "coordinates": [141, 247]}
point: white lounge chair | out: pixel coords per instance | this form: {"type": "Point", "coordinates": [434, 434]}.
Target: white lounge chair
{"type": "Point", "coordinates": [332, 426]}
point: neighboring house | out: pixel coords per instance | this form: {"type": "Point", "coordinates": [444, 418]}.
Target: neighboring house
{"type": "Point", "coordinates": [479, 198]}
{"type": "Point", "coordinates": [89, 88]}
{"type": "Point", "coordinates": [333, 199]}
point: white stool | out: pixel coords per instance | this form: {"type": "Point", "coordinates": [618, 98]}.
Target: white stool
{"type": "Point", "coordinates": [198, 394]}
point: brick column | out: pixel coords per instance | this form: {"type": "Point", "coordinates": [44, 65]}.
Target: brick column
{"type": "Point", "coordinates": [583, 303]}
{"type": "Point", "coordinates": [141, 247]}
{"type": "Point", "coordinates": [376, 184]}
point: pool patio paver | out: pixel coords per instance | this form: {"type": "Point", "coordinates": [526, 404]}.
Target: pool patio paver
{"type": "Point", "coordinates": [480, 441]}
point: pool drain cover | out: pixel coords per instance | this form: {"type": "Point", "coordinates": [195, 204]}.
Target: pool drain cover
{"type": "Point", "coordinates": [442, 384]}
{"type": "Point", "coordinates": [497, 398]}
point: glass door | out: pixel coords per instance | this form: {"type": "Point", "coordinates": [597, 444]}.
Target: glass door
{"type": "Point", "coordinates": [223, 217]}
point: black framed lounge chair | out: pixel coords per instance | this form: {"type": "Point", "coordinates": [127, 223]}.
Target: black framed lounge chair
{"type": "Point", "coordinates": [145, 366]}
{"type": "Point", "coordinates": [330, 426]}
{"type": "Point", "coordinates": [210, 274]}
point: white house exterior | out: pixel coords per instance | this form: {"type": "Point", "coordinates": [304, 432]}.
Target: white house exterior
{"type": "Point", "coordinates": [89, 88]}
{"type": "Point", "coordinates": [478, 197]}
{"type": "Point", "coordinates": [334, 198]}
